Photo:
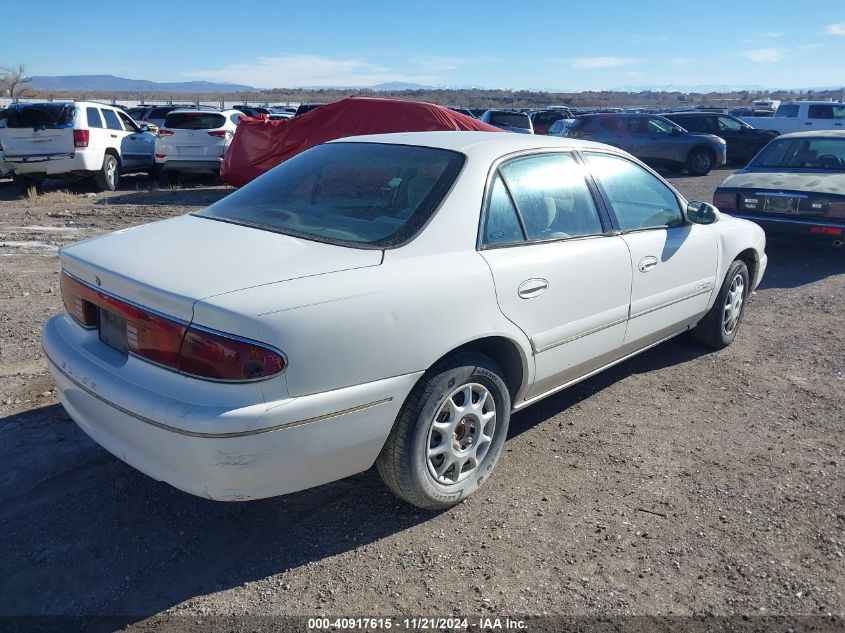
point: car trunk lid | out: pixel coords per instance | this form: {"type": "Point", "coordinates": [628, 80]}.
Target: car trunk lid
{"type": "Point", "coordinates": [169, 265]}
{"type": "Point", "coordinates": [806, 194]}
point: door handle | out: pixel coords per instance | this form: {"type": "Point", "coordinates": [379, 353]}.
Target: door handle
{"type": "Point", "coordinates": [647, 264]}
{"type": "Point", "coordinates": [531, 288]}
{"type": "Point", "coordinates": [114, 135]}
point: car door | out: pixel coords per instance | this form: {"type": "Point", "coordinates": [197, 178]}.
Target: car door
{"type": "Point", "coordinates": [662, 143]}
{"type": "Point", "coordinates": [558, 276]}
{"type": "Point", "coordinates": [741, 141]}
{"type": "Point", "coordinates": [115, 133]}
{"type": "Point", "coordinates": [136, 147]}
{"type": "Point", "coordinates": [674, 262]}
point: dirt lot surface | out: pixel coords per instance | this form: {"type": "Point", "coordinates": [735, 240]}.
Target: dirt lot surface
{"type": "Point", "coordinates": [680, 482]}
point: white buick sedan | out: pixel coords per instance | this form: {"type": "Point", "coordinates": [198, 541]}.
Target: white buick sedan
{"type": "Point", "coordinates": [385, 299]}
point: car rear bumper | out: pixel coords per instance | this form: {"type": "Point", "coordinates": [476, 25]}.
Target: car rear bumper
{"type": "Point", "coordinates": [55, 164]}
{"type": "Point", "coordinates": [822, 230]}
{"type": "Point", "coordinates": [192, 165]}
{"type": "Point", "coordinates": [225, 453]}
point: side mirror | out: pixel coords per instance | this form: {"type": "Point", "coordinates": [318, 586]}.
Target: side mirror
{"type": "Point", "coordinates": [144, 127]}
{"type": "Point", "coordinates": [675, 131]}
{"type": "Point", "coordinates": [701, 212]}
{"type": "Point", "coordinates": [744, 129]}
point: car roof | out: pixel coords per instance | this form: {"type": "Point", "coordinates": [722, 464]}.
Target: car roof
{"type": "Point", "coordinates": [481, 143]}
{"type": "Point", "coordinates": [813, 133]}
{"type": "Point", "coordinates": [192, 111]}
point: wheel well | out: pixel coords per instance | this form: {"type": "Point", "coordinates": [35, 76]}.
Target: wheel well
{"type": "Point", "coordinates": [749, 256]}
{"type": "Point", "coordinates": [113, 152]}
{"type": "Point", "coordinates": [503, 352]}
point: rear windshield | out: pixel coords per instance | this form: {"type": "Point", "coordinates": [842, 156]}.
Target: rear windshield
{"type": "Point", "coordinates": [510, 119]}
{"type": "Point", "coordinates": [356, 194]}
{"type": "Point", "coordinates": [804, 153]}
{"type": "Point", "coordinates": [39, 116]}
{"type": "Point", "coordinates": [194, 121]}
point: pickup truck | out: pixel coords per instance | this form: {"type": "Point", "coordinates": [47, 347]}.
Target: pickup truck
{"type": "Point", "coordinates": [802, 116]}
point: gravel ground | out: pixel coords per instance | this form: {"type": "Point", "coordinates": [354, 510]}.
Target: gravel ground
{"type": "Point", "coordinates": [680, 483]}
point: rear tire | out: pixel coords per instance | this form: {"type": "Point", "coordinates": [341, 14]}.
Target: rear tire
{"type": "Point", "coordinates": [700, 161]}
{"type": "Point", "coordinates": [449, 433]}
{"type": "Point", "coordinates": [719, 326]}
{"type": "Point", "coordinates": [108, 178]}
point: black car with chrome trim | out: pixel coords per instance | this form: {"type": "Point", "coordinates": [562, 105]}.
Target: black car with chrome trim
{"type": "Point", "coordinates": [794, 187]}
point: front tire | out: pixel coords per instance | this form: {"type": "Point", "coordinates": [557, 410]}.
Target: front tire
{"type": "Point", "coordinates": [449, 433]}
{"type": "Point", "coordinates": [700, 162]}
{"type": "Point", "coordinates": [108, 178]}
{"type": "Point", "coordinates": [719, 326]}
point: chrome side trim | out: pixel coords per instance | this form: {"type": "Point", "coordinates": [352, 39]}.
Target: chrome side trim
{"type": "Point", "coordinates": [671, 303]}
{"type": "Point", "coordinates": [581, 335]}
{"type": "Point", "coordinates": [173, 429]}
{"type": "Point", "coordinates": [592, 373]}
{"type": "Point", "coordinates": [788, 220]}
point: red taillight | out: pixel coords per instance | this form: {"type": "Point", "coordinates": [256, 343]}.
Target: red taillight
{"type": "Point", "coordinates": [162, 132]}
{"type": "Point", "coordinates": [171, 343]}
{"type": "Point", "coordinates": [220, 133]}
{"type": "Point", "coordinates": [161, 155]}
{"type": "Point", "coordinates": [724, 201]}
{"type": "Point", "coordinates": [80, 138]}
{"type": "Point", "coordinates": [212, 355]}
{"type": "Point", "coordinates": [825, 230]}
{"type": "Point", "coordinates": [76, 297]}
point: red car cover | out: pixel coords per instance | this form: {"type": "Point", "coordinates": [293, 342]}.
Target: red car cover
{"type": "Point", "coordinates": [261, 144]}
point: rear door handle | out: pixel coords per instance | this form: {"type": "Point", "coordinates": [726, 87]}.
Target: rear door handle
{"type": "Point", "coordinates": [647, 264]}
{"type": "Point", "coordinates": [114, 135]}
{"type": "Point", "coordinates": [531, 288]}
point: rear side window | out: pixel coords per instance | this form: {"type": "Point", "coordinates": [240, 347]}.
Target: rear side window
{"type": "Point", "coordinates": [112, 122]}
{"type": "Point", "coordinates": [194, 121]}
{"type": "Point", "coordinates": [94, 118]}
{"type": "Point", "coordinates": [502, 222]}
{"type": "Point", "coordinates": [356, 194]}
{"type": "Point", "coordinates": [826, 111]}
{"type": "Point", "coordinates": [639, 200]}
{"type": "Point", "coordinates": [552, 197]}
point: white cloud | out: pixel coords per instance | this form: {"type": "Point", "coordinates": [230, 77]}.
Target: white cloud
{"type": "Point", "coordinates": [289, 71]}
{"type": "Point", "coordinates": [601, 62]}
{"type": "Point", "coordinates": [836, 29]}
{"type": "Point", "coordinates": [763, 55]}
{"type": "Point", "coordinates": [773, 34]}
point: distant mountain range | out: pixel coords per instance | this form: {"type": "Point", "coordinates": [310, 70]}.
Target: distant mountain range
{"type": "Point", "coordinates": [121, 84]}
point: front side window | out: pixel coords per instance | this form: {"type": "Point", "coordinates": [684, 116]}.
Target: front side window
{"type": "Point", "coordinates": [552, 196]}
{"type": "Point", "coordinates": [356, 194]}
{"type": "Point", "coordinates": [659, 126]}
{"type": "Point", "coordinates": [112, 122]}
{"type": "Point", "coordinates": [128, 123]}
{"type": "Point", "coordinates": [94, 118]}
{"type": "Point", "coordinates": [639, 199]}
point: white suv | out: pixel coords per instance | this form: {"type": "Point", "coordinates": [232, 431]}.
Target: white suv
{"type": "Point", "coordinates": [193, 141]}
{"type": "Point", "coordinates": [73, 138]}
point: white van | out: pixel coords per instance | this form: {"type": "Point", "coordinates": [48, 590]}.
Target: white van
{"type": "Point", "coordinates": [92, 140]}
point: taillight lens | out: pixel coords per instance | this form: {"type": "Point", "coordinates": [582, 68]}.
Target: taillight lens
{"type": "Point", "coordinates": [220, 133]}
{"type": "Point", "coordinates": [724, 201]}
{"type": "Point", "coordinates": [163, 132]}
{"type": "Point", "coordinates": [212, 355]}
{"type": "Point", "coordinates": [836, 209]}
{"type": "Point", "coordinates": [174, 344]}
{"type": "Point", "coordinates": [80, 138]}
{"type": "Point", "coordinates": [76, 298]}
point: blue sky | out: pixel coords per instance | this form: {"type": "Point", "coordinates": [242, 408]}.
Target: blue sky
{"type": "Point", "coordinates": [500, 44]}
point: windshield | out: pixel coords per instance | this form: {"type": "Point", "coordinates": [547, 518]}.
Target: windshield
{"type": "Point", "coordinates": [803, 153]}
{"type": "Point", "coordinates": [357, 194]}
{"type": "Point", "coordinates": [39, 116]}
{"type": "Point", "coordinates": [511, 119]}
